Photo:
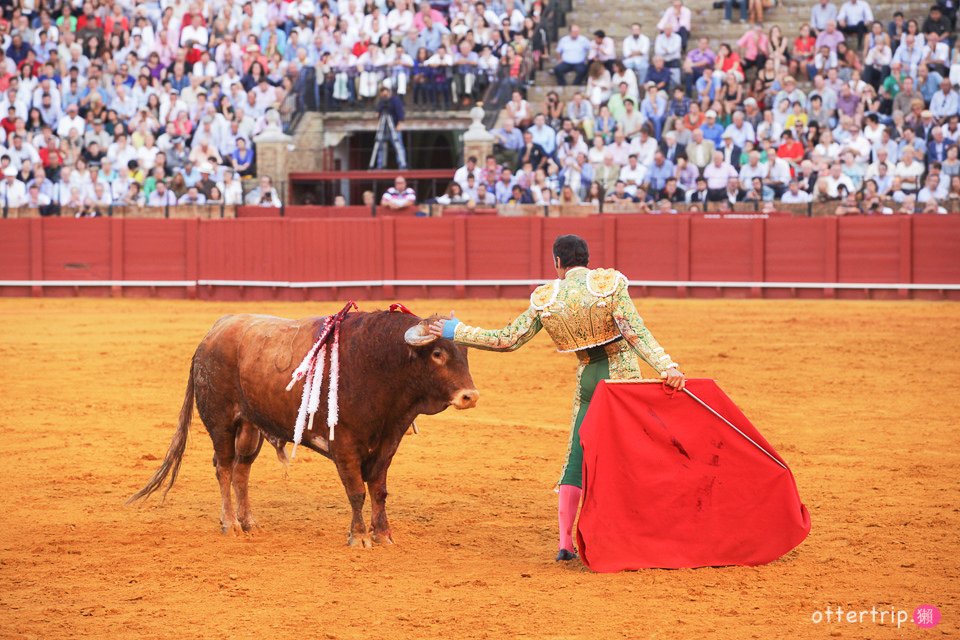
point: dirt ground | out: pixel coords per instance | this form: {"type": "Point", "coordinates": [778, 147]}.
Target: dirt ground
{"type": "Point", "coordinates": [859, 397]}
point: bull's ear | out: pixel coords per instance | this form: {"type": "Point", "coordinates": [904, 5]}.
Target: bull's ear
{"type": "Point", "coordinates": [418, 336]}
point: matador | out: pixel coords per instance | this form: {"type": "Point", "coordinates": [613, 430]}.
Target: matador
{"type": "Point", "coordinates": [587, 312]}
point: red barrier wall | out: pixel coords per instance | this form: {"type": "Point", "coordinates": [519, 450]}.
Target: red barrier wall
{"type": "Point", "coordinates": [344, 258]}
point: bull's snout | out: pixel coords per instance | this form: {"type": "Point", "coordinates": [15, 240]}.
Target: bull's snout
{"type": "Point", "coordinates": [465, 399]}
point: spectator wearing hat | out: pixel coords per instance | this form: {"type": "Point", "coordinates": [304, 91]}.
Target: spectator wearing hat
{"type": "Point", "coordinates": [13, 193]}
{"type": "Point", "coordinates": [712, 130]}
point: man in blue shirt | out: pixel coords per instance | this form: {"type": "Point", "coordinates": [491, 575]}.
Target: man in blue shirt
{"type": "Point", "coordinates": [543, 134]}
{"type": "Point", "coordinates": [712, 131]}
{"type": "Point", "coordinates": [573, 50]}
{"type": "Point", "coordinates": [659, 172]}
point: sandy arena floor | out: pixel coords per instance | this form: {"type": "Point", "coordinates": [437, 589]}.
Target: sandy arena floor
{"type": "Point", "coordinates": [860, 398]}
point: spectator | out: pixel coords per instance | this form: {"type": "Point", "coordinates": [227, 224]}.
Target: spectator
{"type": "Point", "coordinates": [853, 18]}
{"type": "Point", "coordinates": [161, 197]}
{"type": "Point", "coordinates": [728, 10]}
{"type": "Point", "coordinates": [13, 193]}
{"type": "Point", "coordinates": [603, 50]}
{"type": "Point", "coordinates": [572, 50]}
{"type": "Point", "coordinates": [264, 195]}
{"type": "Point", "coordinates": [822, 13]}
{"type": "Point", "coordinates": [677, 17]}
{"type": "Point", "coordinates": [636, 51]}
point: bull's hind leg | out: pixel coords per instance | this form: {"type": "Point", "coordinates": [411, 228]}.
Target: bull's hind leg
{"type": "Point", "coordinates": [349, 469]}
{"type": "Point", "coordinates": [224, 452]}
{"type": "Point", "coordinates": [248, 441]}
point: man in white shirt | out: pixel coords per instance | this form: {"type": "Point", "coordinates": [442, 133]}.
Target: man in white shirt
{"type": "Point", "coordinates": [854, 17]}
{"type": "Point", "coordinates": [399, 196]}
{"type": "Point", "coordinates": [469, 169]}
{"type": "Point", "coordinates": [195, 33]}
{"type": "Point", "coordinates": [740, 130]}
{"type": "Point", "coordinates": [829, 185]}
{"type": "Point", "coordinates": [162, 196]}
{"type": "Point", "coordinates": [636, 52]}
{"type": "Point", "coordinates": [718, 173]}
{"type": "Point", "coordinates": [794, 195]}
{"type": "Point", "coordinates": [822, 13]}
{"type": "Point", "coordinates": [70, 121]}
{"type": "Point", "coordinates": [265, 195]}
{"type": "Point", "coordinates": [633, 175]}
{"type": "Point", "coordinates": [945, 102]}
{"type": "Point", "coordinates": [13, 193]}
{"type": "Point", "coordinates": [669, 46]}
{"type": "Point", "coordinates": [645, 146]}
{"type": "Point", "coordinates": [603, 49]}
{"type": "Point", "coordinates": [678, 18]}
{"type": "Point", "coordinates": [936, 54]}
{"type": "Point", "coordinates": [753, 169]}
{"type": "Point", "coordinates": [908, 170]}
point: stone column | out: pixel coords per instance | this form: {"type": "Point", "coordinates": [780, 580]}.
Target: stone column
{"type": "Point", "coordinates": [477, 141]}
{"type": "Point", "coordinates": [273, 148]}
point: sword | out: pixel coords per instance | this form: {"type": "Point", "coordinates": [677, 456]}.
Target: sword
{"type": "Point", "coordinates": [732, 426]}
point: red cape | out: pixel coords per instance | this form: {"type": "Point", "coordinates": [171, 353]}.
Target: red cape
{"type": "Point", "coordinates": [668, 484]}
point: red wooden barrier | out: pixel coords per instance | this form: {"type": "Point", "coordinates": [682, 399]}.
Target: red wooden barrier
{"type": "Point", "coordinates": [318, 258]}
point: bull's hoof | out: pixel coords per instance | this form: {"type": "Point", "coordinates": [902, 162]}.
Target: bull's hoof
{"type": "Point", "coordinates": [360, 541]}
{"type": "Point", "coordinates": [231, 528]}
{"type": "Point", "coordinates": [249, 525]}
{"type": "Point", "coordinates": [383, 537]}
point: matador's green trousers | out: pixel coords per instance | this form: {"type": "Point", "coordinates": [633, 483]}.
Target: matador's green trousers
{"type": "Point", "coordinates": [589, 374]}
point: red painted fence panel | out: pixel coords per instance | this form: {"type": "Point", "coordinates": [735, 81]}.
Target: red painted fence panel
{"type": "Point", "coordinates": [343, 258]}
{"type": "Point", "coordinates": [936, 255]}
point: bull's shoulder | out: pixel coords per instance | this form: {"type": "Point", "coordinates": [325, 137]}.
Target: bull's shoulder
{"type": "Point", "coordinates": [604, 282]}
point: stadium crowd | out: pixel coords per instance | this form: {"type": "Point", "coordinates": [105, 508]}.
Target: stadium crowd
{"type": "Point", "coordinates": [157, 102]}
{"type": "Point", "coordinates": [849, 109]}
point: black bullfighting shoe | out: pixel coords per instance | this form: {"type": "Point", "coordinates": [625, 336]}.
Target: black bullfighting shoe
{"type": "Point", "coordinates": [565, 555]}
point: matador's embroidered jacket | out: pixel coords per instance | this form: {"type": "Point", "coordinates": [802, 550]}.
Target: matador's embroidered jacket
{"type": "Point", "coordinates": [587, 308]}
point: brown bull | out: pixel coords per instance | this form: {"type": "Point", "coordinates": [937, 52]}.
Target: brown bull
{"type": "Point", "coordinates": [391, 371]}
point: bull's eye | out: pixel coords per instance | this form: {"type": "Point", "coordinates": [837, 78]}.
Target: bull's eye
{"type": "Point", "coordinates": [437, 355]}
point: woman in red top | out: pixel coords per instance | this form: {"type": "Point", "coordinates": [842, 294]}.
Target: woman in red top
{"type": "Point", "coordinates": [729, 62]}
{"type": "Point", "coordinates": [790, 150]}
{"type": "Point", "coordinates": [804, 49]}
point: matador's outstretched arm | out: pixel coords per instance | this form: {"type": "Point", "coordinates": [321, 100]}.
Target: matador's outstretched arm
{"type": "Point", "coordinates": [510, 338]}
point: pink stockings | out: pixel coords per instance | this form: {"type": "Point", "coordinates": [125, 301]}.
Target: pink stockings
{"type": "Point", "coordinates": [567, 506]}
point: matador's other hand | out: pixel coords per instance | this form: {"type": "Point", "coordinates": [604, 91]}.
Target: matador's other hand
{"type": "Point", "coordinates": [675, 379]}
{"type": "Point", "coordinates": [436, 327]}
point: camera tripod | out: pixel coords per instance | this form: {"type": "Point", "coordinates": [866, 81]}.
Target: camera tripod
{"type": "Point", "coordinates": [386, 134]}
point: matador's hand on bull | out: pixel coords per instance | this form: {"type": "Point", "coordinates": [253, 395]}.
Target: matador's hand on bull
{"type": "Point", "coordinates": [436, 327]}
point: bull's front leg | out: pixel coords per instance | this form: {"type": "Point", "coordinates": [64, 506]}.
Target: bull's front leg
{"type": "Point", "coordinates": [378, 508]}
{"type": "Point", "coordinates": [375, 473]}
{"type": "Point", "coordinates": [348, 466]}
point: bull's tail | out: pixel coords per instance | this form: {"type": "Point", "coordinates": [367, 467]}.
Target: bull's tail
{"type": "Point", "coordinates": [171, 462]}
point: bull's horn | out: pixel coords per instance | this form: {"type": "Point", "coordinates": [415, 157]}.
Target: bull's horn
{"type": "Point", "coordinates": [417, 336]}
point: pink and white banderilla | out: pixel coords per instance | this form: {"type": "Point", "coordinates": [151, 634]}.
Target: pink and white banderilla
{"type": "Point", "coordinates": [311, 370]}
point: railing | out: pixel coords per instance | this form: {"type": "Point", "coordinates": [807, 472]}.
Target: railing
{"type": "Point", "coordinates": [433, 209]}
{"type": "Point", "coordinates": [180, 211]}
